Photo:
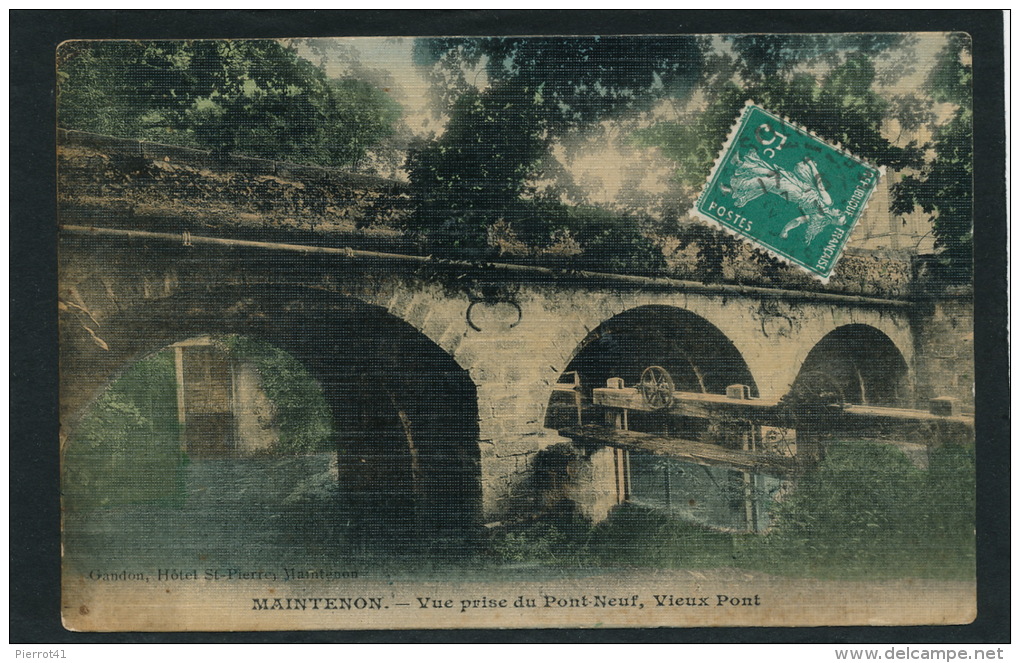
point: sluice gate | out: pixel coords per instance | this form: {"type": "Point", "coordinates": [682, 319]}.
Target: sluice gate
{"type": "Point", "coordinates": [751, 449]}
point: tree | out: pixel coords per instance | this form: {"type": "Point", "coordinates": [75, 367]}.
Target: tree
{"type": "Point", "coordinates": [126, 447]}
{"type": "Point", "coordinates": [841, 107]}
{"type": "Point", "coordinates": [497, 143]}
{"type": "Point", "coordinates": [944, 188]}
{"type": "Point", "coordinates": [256, 97]}
{"type": "Point", "coordinates": [95, 92]}
{"type": "Point", "coordinates": [911, 112]}
{"type": "Point", "coordinates": [477, 172]}
{"type": "Point", "coordinates": [762, 57]}
{"type": "Point", "coordinates": [571, 81]}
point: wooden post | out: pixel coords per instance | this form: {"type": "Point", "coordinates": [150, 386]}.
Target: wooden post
{"type": "Point", "coordinates": [742, 392]}
{"type": "Point", "coordinates": [577, 398]}
{"type": "Point", "coordinates": [617, 418]}
{"type": "Point", "coordinates": [181, 409]}
{"type": "Point", "coordinates": [809, 445]}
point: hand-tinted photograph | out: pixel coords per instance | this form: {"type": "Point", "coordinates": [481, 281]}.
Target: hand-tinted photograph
{"type": "Point", "coordinates": [516, 332]}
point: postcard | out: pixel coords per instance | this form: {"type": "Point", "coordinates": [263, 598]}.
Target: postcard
{"type": "Point", "coordinates": [516, 332]}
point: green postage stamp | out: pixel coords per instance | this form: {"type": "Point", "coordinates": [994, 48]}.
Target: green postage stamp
{"type": "Point", "coordinates": [787, 191]}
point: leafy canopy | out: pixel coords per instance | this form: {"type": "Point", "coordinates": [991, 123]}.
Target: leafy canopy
{"type": "Point", "coordinates": [842, 106]}
{"type": "Point", "coordinates": [765, 56]}
{"type": "Point", "coordinates": [943, 189]}
{"type": "Point", "coordinates": [570, 81]}
{"type": "Point", "coordinates": [508, 101]}
{"type": "Point", "coordinates": [257, 97]}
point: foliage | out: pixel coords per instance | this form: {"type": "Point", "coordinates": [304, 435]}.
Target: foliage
{"type": "Point", "coordinates": [857, 503]}
{"type": "Point", "coordinates": [518, 108]}
{"type": "Point", "coordinates": [865, 511]}
{"type": "Point", "coordinates": [571, 82]}
{"type": "Point", "coordinates": [483, 170]}
{"type": "Point", "coordinates": [126, 448]}
{"type": "Point", "coordinates": [256, 97]}
{"type": "Point", "coordinates": [302, 414]}
{"type": "Point", "coordinates": [841, 107]}
{"type": "Point", "coordinates": [943, 189]}
{"type": "Point", "coordinates": [476, 173]}
{"type": "Point", "coordinates": [764, 56]}
{"type": "Point", "coordinates": [632, 536]}
{"type": "Point", "coordinates": [609, 242]}
{"type": "Point", "coordinates": [950, 482]}
{"type": "Point", "coordinates": [912, 112]}
{"type": "Point", "coordinates": [542, 542]}
{"type": "Point", "coordinates": [866, 506]}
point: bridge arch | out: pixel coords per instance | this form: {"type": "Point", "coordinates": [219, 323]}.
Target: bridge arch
{"type": "Point", "coordinates": [858, 364]}
{"type": "Point", "coordinates": [375, 371]}
{"type": "Point", "coordinates": [696, 353]}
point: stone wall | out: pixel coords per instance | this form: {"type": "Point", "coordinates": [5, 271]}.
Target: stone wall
{"type": "Point", "coordinates": [944, 331]}
{"type": "Point", "coordinates": [205, 398]}
{"type": "Point", "coordinates": [116, 182]}
{"type": "Point", "coordinates": [121, 182]}
{"type": "Point", "coordinates": [221, 404]}
{"type": "Point", "coordinates": [254, 412]}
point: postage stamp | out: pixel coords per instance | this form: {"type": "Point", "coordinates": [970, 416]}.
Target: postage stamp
{"type": "Point", "coordinates": [787, 191]}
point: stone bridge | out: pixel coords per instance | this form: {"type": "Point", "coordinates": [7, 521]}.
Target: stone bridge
{"type": "Point", "coordinates": [470, 354]}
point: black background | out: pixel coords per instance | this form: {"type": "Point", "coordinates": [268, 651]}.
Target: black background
{"type": "Point", "coordinates": [34, 492]}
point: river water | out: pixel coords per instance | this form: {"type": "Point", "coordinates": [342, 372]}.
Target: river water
{"type": "Point", "coordinates": [239, 511]}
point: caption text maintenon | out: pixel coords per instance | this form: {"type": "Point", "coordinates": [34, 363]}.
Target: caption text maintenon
{"type": "Point", "coordinates": [634, 601]}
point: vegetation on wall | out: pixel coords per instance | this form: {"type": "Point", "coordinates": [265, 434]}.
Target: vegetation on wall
{"type": "Point", "coordinates": [126, 448]}
{"type": "Point", "coordinates": [253, 97]}
{"type": "Point", "coordinates": [301, 412]}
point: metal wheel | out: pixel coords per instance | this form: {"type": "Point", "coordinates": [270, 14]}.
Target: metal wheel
{"type": "Point", "coordinates": [656, 386]}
